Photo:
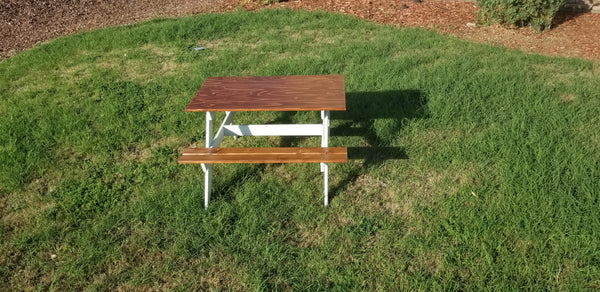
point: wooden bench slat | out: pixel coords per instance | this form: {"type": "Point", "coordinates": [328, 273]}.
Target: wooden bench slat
{"type": "Point", "coordinates": [264, 155]}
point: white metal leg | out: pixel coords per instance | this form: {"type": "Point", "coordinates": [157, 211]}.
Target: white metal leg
{"type": "Point", "coordinates": [326, 180]}
{"type": "Point", "coordinates": [207, 183]}
{"type": "Point", "coordinates": [209, 128]}
{"type": "Point", "coordinates": [324, 166]}
{"type": "Point", "coordinates": [325, 136]}
{"type": "Point", "coordinates": [207, 168]}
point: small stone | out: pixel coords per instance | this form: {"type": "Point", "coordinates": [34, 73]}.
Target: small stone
{"type": "Point", "coordinates": [53, 256]}
{"type": "Point", "coordinates": [471, 24]}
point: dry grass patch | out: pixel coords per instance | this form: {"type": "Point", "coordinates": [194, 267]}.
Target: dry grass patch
{"type": "Point", "coordinates": [20, 209]}
{"type": "Point", "coordinates": [35, 81]}
{"type": "Point", "coordinates": [154, 62]}
{"type": "Point", "coordinates": [133, 258]}
{"type": "Point", "coordinates": [590, 135]}
{"type": "Point", "coordinates": [568, 97]}
{"type": "Point", "coordinates": [428, 262]}
{"type": "Point", "coordinates": [372, 195]}
{"type": "Point", "coordinates": [315, 37]}
{"type": "Point", "coordinates": [220, 270]}
{"type": "Point", "coordinates": [143, 153]}
{"type": "Point", "coordinates": [423, 189]}
{"type": "Point", "coordinates": [312, 234]}
{"type": "Point", "coordinates": [159, 51]}
{"type": "Point", "coordinates": [560, 76]}
{"type": "Point", "coordinates": [435, 137]}
{"type": "Point", "coordinates": [229, 44]}
{"type": "Point", "coordinates": [165, 272]}
{"type": "Point", "coordinates": [309, 236]}
{"type": "Point", "coordinates": [77, 72]}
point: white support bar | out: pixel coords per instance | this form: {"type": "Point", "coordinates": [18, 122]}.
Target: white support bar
{"type": "Point", "coordinates": [274, 130]}
{"type": "Point", "coordinates": [209, 128]}
{"type": "Point", "coordinates": [221, 132]}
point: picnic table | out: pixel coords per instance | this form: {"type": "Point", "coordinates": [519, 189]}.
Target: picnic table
{"type": "Point", "coordinates": [229, 95]}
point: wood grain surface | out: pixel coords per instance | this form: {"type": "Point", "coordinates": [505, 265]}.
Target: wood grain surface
{"type": "Point", "coordinates": [270, 93]}
{"type": "Point", "coordinates": [264, 155]}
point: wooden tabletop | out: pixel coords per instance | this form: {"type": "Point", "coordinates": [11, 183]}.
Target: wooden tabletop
{"type": "Point", "coordinates": [271, 93]}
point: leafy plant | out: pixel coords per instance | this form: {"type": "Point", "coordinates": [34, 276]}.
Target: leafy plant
{"type": "Point", "coordinates": [536, 13]}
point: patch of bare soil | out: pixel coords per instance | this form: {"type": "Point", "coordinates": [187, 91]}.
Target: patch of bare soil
{"type": "Point", "coordinates": [573, 34]}
{"type": "Point", "coordinates": [26, 23]}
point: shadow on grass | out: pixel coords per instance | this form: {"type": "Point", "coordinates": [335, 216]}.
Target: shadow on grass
{"type": "Point", "coordinates": [363, 109]}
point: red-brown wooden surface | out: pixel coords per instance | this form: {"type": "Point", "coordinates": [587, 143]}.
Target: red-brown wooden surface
{"type": "Point", "coordinates": [270, 93]}
{"type": "Point", "coordinates": [264, 155]}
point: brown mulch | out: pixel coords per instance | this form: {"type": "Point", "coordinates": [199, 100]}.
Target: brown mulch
{"type": "Point", "coordinates": [26, 23]}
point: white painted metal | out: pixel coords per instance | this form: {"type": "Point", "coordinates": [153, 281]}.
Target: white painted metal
{"type": "Point", "coordinates": [325, 128]}
{"type": "Point", "coordinates": [221, 132]}
{"type": "Point", "coordinates": [209, 128]}
{"type": "Point", "coordinates": [324, 166]}
{"type": "Point", "coordinates": [207, 168]}
{"type": "Point", "coordinates": [227, 128]}
{"type": "Point", "coordinates": [207, 183]}
{"type": "Point", "coordinates": [235, 137]}
{"type": "Point", "coordinates": [326, 184]}
{"type": "Point", "coordinates": [324, 133]}
{"type": "Point", "coordinates": [274, 130]}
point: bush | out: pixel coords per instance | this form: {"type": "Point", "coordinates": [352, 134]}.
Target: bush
{"type": "Point", "coordinates": [536, 13]}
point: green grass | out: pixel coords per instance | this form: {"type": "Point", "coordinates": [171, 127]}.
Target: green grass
{"type": "Point", "coordinates": [471, 167]}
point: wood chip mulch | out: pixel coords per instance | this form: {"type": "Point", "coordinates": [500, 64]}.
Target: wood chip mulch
{"type": "Point", "coordinates": [26, 23]}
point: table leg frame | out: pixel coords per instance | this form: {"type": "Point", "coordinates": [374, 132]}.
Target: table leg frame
{"type": "Point", "coordinates": [324, 166]}
{"type": "Point", "coordinates": [207, 168]}
{"type": "Point", "coordinates": [215, 141]}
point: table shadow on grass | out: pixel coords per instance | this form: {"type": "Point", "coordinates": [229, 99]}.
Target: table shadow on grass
{"type": "Point", "coordinates": [363, 109]}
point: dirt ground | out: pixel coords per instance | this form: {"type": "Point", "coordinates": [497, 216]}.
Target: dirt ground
{"type": "Point", "coordinates": [26, 23]}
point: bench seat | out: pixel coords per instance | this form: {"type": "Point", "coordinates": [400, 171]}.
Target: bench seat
{"type": "Point", "coordinates": [264, 155]}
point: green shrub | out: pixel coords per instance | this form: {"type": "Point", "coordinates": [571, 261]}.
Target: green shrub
{"type": "Point", "coordinates": [536, 13]}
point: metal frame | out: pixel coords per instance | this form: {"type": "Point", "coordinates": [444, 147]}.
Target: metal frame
{"type": "Point", "coordinates": [227, 128]}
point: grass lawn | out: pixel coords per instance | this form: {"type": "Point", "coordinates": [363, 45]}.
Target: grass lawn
{"type": "Point", "coordinates": [471, 166]}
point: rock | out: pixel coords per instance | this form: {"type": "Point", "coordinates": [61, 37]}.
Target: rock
{"type": "Point", "coordinates": [471, 24]}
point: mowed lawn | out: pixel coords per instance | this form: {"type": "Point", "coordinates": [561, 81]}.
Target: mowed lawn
{"type": "Point", "coordinates": [470, 166]}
